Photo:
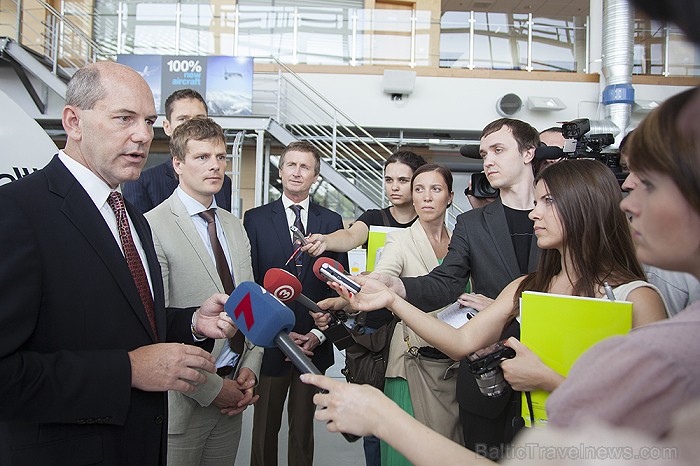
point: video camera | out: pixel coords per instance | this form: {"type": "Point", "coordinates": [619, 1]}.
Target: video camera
{"type": "Point", "coordinates": [578, 144]}
{"type": "Point", "coordinates": [480, 187]}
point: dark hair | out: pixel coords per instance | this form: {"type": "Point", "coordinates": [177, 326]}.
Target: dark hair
{"type": "Point", "coordinates": [195, 129]}
{"type": "Point", "coordinates": [182, 94]}
{"type": "Point", "coordinates": [596, 232]}
{"type": "Point", "coordinates": [624, 142]}
{"type": "Point", "coordinates": [85, 88]}
{"type": "Point", "coordinates": [658, 145]}
{"type": "Point", "coordinates": [434, 167]}
{"type": "Point", "coordinates": [524, 134]}
{"type": "Point", "coordinates": [406, 157]}
{"type": "Point", "coordinates": [303, 146]}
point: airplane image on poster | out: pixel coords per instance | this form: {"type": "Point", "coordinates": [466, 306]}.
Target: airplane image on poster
{"type": "Point", "coordinates": [230, 85]}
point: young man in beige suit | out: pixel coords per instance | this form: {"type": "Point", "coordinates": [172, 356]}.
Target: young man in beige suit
{"type": "Point", "coordinates": [202, 249]}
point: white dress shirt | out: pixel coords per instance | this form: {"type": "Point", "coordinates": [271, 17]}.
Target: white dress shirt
{"type": "Point", "coordinates": [291, 217]}
{"type": "Point", "coordinates": [227, 357]}
{"type": "Point", "coordinates": [99, 191]}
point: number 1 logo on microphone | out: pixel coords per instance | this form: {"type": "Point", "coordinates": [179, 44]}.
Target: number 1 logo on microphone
{"type": "Point", "coordinates": [245, 308]}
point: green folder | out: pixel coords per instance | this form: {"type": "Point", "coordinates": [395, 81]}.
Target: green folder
{"type": "Point", "coordinates": [375, 244]}
{"type": "Point", "coordinates": [560, 328]}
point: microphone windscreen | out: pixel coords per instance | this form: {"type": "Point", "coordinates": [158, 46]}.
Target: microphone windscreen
{"type": "Point", "coordinates": [326, 260]}
{"type": "Point", "coordinates": [282, 284]}
{"type": "Point", "coordinates": [470, 150]}
{"type": "Point", "coordinates": [258, 314]}
{"type": "Point", "coordinates": [549, 153]}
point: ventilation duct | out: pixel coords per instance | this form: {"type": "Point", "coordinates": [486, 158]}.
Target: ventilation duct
{"type": "Point", "coordinates": [618, 57]}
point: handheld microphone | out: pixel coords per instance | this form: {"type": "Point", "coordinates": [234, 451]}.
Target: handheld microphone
{"type": "Point", "coordinates": [266, 322]}
{"type": "Point", "coordinates": [327, 269]}
{"type": "Point", "coordinates": [287, 288]}
{"type": "Point", "coordinates": [263, 318]}
{"type": "Point", "coordinates": [549, 153]}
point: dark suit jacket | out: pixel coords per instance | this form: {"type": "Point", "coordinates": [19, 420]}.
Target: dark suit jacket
{"type": "Point", "coordinates": [157, 184]}
{"type": "Point", "coordinates": [70, 312]}
{"type": "Point", "coordinates": [481, 248]}
{"type": "Point", "coordinates": [270, 246]}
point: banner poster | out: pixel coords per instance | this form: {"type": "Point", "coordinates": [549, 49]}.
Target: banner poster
{"type": "Point", "coordinates": [225, 82]}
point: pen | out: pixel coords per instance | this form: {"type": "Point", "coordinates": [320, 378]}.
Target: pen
{"type": "Point", "coordinates": [296, 251]}
{"type": "Point", "coordinates": [608, 291]}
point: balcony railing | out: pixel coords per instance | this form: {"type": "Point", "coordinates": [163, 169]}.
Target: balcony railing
{"type": "Point", "coordinates": [356, 37]}
{"type": "Point", "coordinates": [334, 36]}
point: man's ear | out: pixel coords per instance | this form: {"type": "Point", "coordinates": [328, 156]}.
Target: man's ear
{"type": "Point", "coordinates": [71, 122]}
{"type": "Point", "coordinates": [177, 165]}
{"type": "Point", "coordinates": [529, 155]}
{"type": "Point", "coordinates": [166, 128]}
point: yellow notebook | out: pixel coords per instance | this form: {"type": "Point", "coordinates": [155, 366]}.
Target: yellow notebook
{"type": "Point", "coordinates": [375, 244]}
{"type": "Point", "coordinates": [560, 328]}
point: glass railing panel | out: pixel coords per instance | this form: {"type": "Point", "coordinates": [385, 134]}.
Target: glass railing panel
{"type": "Point", "coordinates": [153, 28]}
{"type": "Point", "coordinates": [558, 44]}
{"type": "Point", "coordinates": [683, 57]}
{"type": "Point", "coordinates": [196, 30]}
{"type": "Point", "coordinates": [324, 36]}
{"type": "Point", "coordinates": [424, 54]}
{"type": "Point", "coordinates": [454, 39]}
{"type": "Point", "coordinates": [384, 37]}
{"type": "Point", "coordinates": [500, 41]}
{"type": "Point", "coordinates": [649, 47]}
{"type": "Point", "coordinates": [266, 32]}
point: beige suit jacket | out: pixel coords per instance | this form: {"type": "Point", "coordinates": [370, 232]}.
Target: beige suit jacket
{"type": "Point", "coordinates": [189, 278]}
{"type": "Point", "coordinates": [407, 253]}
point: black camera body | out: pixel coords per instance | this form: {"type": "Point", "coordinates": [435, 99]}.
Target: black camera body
{"type": "Point", "coordinates": [586, 145]}
{"type": "Point", "coordinates": [480, 187]}
{"type": "Point", "coordinates": [485, 365]}
{"type": "Point", "coordinates": [579, 144]}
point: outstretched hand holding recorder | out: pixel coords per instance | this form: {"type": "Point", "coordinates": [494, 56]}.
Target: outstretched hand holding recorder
{"type": "Point", "coordinates": [327, 269]}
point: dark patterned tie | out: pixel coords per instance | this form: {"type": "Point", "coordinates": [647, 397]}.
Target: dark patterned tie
{"type": "Point", "coordinates": [298, 223]}
{"type": "Point", "coordinates": [236, 342]}
{"type": "Point", "coordinates": [133, 260]}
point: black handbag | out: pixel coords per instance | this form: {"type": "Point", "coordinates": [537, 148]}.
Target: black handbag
{"type": "Point", "coordinates": [366, 360]}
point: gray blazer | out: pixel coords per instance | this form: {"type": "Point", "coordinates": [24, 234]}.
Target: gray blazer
{"type": "Point", "coordinates": [189, 278]}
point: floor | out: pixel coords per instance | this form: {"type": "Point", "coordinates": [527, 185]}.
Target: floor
{"type": "Point", "coordinates": [330, 448]}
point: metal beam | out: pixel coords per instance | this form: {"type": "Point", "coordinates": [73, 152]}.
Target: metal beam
{"type": "Point", "coordinates": [24, 79]}
{"type": "Point", "coordinates": [29, 63]}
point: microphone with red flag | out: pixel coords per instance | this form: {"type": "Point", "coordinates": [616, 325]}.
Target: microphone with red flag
{"type": "Point", "coordinates": [266, 322]}
{"type": "Point", "coordinates": [286, 287]}
{"type": "Point", "coordinates": [327, 269]}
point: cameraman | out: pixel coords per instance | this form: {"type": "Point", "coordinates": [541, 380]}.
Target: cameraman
{"type": "Point", "coordinates": [493, 246]}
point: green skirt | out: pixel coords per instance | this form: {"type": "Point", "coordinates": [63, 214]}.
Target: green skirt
{"type": "Point", "coordinates": [397, 390]}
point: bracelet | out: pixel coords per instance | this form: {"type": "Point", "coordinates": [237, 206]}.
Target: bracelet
{"type": "Point", "coordinates": [197, 336]}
